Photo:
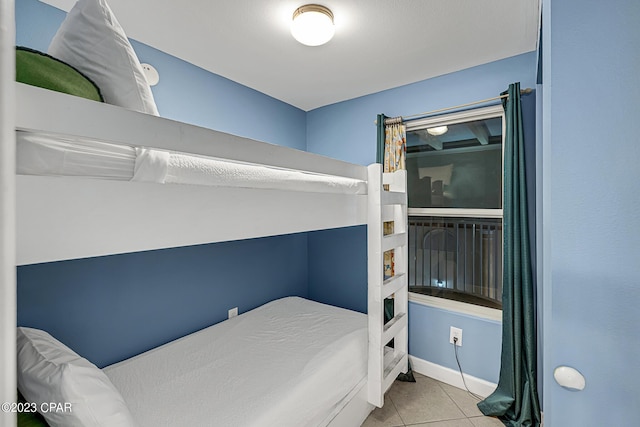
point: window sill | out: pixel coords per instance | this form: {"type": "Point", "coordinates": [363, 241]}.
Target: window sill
{"type": "Point", "coordinates": [457, 307]}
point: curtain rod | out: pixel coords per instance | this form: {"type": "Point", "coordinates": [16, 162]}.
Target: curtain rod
{"type": "Point", "coordinates": [400, 119]}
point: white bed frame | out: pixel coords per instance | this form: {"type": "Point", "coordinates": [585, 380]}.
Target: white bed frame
{"type": "Point", "coordinates": [66, 218]}
{"type": "Point", "coordinates": [7, 211]}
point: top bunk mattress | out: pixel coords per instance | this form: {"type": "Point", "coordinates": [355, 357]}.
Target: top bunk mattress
{"type": "Point", "coordinates": [56, 155]}
{"type": "Point", "coordinates": [290, 362]}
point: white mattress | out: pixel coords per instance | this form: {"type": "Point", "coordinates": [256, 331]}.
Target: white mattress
{"type": "Point", "coordinates": [291, 362]}
{"type": "Point", "coordinates": [43, 154]}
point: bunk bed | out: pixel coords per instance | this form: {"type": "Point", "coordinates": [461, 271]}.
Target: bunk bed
{"type": "Point", "coordinates": [67, 217]}
{"type": "Point", "coordinates": [72, 212]}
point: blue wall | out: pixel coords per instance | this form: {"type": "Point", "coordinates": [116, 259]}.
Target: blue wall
{"type": "Point", "coordinates": [346, 131]}
{"type": "Point", "coordinates": [591, 101]}
{"type": "Point", "coordinates": [480, 352]}
{"type": "Point", "coordinates": [110, 308]}
{"type": "Point", "coordinates": [338, 267]}
{"type": "Point", "coordinates": [113, 307]}
{"type": "Point", "coordinates": [192, 95]}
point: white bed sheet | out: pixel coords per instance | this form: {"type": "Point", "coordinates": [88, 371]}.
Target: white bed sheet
{"type": "Point", "coordinates": [55, 155]}
{"type": "Point", "coordinates": [291, 362]}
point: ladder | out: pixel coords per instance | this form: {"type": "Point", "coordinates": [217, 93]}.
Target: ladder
{"type": "Point", "coordinates": [385, 363]}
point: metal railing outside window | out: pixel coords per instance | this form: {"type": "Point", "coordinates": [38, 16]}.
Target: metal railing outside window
{"type": "Point", "coordinates": [457, 258]}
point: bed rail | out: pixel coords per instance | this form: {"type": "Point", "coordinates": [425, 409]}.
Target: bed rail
{"type": "Point", "coordinates": [42, 110]}
{"type": "Point", "coordinates": [386, 362]}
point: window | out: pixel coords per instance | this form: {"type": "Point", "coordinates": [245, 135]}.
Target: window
{"type": "Point", "coordinates": [454, 172]}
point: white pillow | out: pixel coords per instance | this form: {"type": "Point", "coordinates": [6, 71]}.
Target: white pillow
{"type": "Point", "coordinates": [50, 372]}
{"type": "Point", "coordinates": [91, 39]}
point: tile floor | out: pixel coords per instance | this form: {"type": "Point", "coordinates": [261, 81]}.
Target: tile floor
{"type": "Point", "coordinates": [428, 403]}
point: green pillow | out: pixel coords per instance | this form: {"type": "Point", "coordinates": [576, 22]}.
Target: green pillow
{"type": "Point", "coordinates": [42, 70]}
{"type": "Point", "coordinates": [30, 419]}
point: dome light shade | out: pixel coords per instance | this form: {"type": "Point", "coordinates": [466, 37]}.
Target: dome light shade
{"type": "Point", "coordinates": [312, 25]}
{"type": "Point", "coordinates": [439, 130]}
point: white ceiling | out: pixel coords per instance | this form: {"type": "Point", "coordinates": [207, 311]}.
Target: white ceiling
{"type": "Point", "coordinates": [379, 44]}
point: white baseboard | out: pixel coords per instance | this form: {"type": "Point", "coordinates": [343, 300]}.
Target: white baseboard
{"type": "Point", "coordinates": [452, 377]}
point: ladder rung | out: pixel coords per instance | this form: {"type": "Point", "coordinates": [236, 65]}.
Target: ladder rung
{"type": "Point", "coordinates": [391, 372]}
{"type": "Point", "coordinates": [393, 198]}
{"type": "Point", "coordinates": [388, 213]}
{"type": "Point", "coordinates": [397, 179]}
{"type": "Point", "coordinates": [393, 327]}
{"type": "Point", "coordinates": [392, 241]}
{"type": "Point", "coordinates": [393, 284]}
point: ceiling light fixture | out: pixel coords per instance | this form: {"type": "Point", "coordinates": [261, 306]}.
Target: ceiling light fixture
{"type": "Point", "coordinates": [312, 25]}
{"type": "Point", "coordinates": [436, 131]}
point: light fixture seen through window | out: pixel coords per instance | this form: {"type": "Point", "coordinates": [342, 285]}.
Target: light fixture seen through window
{"type": "Point", "coordinates": [312, 25]}
{"type": "Point", "coordinates": [439, 130]}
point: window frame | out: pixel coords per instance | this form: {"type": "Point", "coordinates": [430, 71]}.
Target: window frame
{"type": "Point", "coordinates": [475, 114]}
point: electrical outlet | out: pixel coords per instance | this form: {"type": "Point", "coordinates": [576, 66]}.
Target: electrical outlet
{"type": "Point", "coordinates": [455, 333]}
{"type": "Point", "coordinates": [233, 312]}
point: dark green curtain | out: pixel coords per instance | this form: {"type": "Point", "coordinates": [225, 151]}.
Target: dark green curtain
{"type": "Point", "coordinates": [515, 401]}
{"type": "Point", "coordinates": [380, 147]}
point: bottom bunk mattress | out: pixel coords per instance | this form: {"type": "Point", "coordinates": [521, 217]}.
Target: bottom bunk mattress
{"type": "Point", "coordinates": [290, 362]}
